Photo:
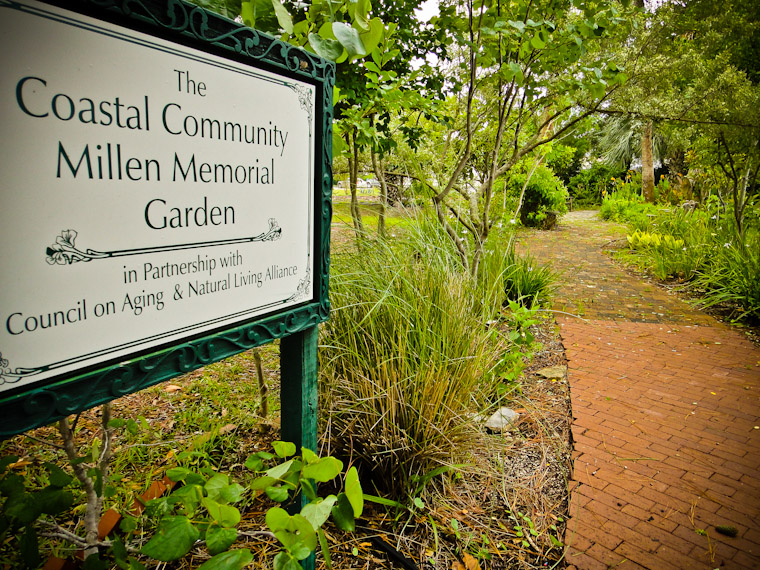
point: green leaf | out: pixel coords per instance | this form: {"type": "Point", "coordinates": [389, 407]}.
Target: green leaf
{"type": "Point", "coordinates": [537, 42]}
{"type": "Point", "coordinates": [277, 519]}
{"type": "Point", "coordinates": [214, 485]}
{"type": "Point", "coordinates": [383, 501]}
{"type": "Point", "coordinates": [294, 532]}
{"type": "Point", "coordinates": [597, 90]}
{"type": "Point", "coordinates": [325, 548]}
{"type": "Point", "coordinates": [29, 547]}
{"type": "Point", "coordinates": [52, 500]}
{"type": "Point", "coordinates": [326, 469]}
{"type": "Point", "coordinates": [519, 26]}
{"type": "Point", "coordinates": [279, 471]}
{"type": "Point", "coordinates": [232, 493]}
{"type": "Point", "coordinates": [518, 73]}
{"type": "Point", "coordinates": [419, 503]}
{"type": "Point", "coordinates": [259, 14]}
{"type": "Point", "coordinates": [373, 36]}
{"type": "Point", "coordinates": [225, 515]}
{"type": "Point", "coordinates": [190, 496]}
{"type": "Point", "coordinates": [254, 463]}
{"type": "Point", "coordinates": [360, 14]}
{"type": "Point", "coordinates": [343, 514]}
{"type": "Point", "coordinates": [11, 485]}
{"type": "Point", "coordinates": [262, 483]}
{"type": "Point", "coordinates": [6, 461]}
{"type": "Point", "coordinates": [23, 507]}
{"type": "Point", "coordinates": [283, 16]}
{"type": "Point", "coordinates": [326, 48]}
{"type": "Point", "coordinates": [301, 541]}
{"type": "Point", "coordinates": [219, 539]}
{"type": "Point", "coordinates": [174, 538]}
{"type": "Point", "coordinates": [354, 491]}
{"type": "Point", "coordinates": [318, 512]}
{"type": "Point", "coordinates": [279, 494]}
{"type": "Point", "coordinates": [119, 550]}
{"type": "Point", "coordinates": [349, 39]}
{"type": "Point", "coordinates": [232, 560]}
{"type": "Point", "coordinates": [177, 474]}
{"type": "Point", "coordinates": [132, 426]}
{"type": "Point", "coordinates": [93, 562]}
{"type": "Point", "coordinates": [307, 454]}
{"type": "Point", "coordinates": [284, 561]}
{"type": "Point", "coordinates": [128, 524]}
{"type": "Point", "coordinates": [284, 448]}
{"type": "Point", "coordinates": [58, 477]}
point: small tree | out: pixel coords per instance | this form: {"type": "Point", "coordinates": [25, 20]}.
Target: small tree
{"type": "Point", "coordinates": [520, 74]}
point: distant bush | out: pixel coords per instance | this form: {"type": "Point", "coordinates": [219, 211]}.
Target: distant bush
{"type": "Point", "coordinates": [545, 193]}
{"type": "Point", "coordinates": [587, 188]}
{"type": "Point", "coordinates": [626, 204]}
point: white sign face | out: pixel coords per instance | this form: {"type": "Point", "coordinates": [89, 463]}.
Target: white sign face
{"type": "Point", "coordinates": [150, 193]}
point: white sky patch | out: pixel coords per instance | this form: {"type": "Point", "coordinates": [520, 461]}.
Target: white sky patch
{"type": "Point", "coordinates": [427, 10]}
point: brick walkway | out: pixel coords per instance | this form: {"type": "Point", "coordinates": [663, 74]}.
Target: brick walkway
{"type": "Point", "coordinates": [666, 404]}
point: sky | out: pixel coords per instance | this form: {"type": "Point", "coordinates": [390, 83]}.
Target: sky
{"type": "Point", "coordinates": [427, 10]}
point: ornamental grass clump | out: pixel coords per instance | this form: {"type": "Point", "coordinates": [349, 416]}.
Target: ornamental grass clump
{"type": "Point", "coordinates": [732, 277]}
{"type": "Point", "coordinates": [405, 359]}
{"type": "Point", "coordinates": [527, 282]}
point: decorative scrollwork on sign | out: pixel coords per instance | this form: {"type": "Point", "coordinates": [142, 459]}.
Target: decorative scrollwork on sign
{"type": "Point", "coordinates": [64, 251]}
{"type": "Point", "coordinates": [199, 24]}
{"type": "Point", "coordinates": [304, 99]}
{"type": "Point", "coordinates": [304, 288]}
{"type": "Point", "coordinates": [10, 375]}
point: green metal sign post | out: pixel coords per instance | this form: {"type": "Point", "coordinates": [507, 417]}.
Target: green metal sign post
{"type": "Point", "coordinates": [166, 204]}
{"type": "Point", "coordinates": [298, 385]}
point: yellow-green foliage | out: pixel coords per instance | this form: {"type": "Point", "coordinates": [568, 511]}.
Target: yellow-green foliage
{"type": "Point", "coordinates": [646, 240]}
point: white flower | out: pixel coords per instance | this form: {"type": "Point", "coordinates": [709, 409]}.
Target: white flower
{"type": "Point", "coordinates": [726, 245]}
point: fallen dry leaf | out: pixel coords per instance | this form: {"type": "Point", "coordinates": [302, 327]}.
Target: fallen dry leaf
{"type": "Point", "coordinates": [470, 563]}
{"type": "Point", "coordinates": [172, 388]}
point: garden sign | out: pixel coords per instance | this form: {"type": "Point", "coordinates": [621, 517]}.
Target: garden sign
{"type": "Point", "coordinates": [166, 189]}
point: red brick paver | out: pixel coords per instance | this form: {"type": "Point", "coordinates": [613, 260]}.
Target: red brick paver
{"type": "Point", "coordinates": [666, 402]}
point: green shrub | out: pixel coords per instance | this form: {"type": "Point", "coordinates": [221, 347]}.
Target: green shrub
{"type": "Point", "coordinates": [626, 204]}
{"type": "Point", "coordinates": [588, 187]}
{"type": "Point", "coordinates": [545, 193]}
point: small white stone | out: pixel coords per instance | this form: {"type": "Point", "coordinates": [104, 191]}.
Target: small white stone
{"type": "Point", "coordinates": [501, 419]}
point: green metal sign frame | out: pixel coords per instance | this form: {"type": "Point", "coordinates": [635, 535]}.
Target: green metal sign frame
{"type": "Point", "coordinates": [189, 25]}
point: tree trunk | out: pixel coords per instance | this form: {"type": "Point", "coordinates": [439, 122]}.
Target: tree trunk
{"type": "Point", "coordinates": [94, 507]}
{"type": "Point", "coordinates": [353, 178]}
{"type": "Point", "coordinates": [647, 164]}
{"type": "Point", "coordinates": [377, 166]}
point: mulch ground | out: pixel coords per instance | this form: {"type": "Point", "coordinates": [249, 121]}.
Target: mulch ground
{"type": "Point", "coordinates": [666, 415]}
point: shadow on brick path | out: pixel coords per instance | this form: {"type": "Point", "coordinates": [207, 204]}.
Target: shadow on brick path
{"type": "Point", "coordinates": [666, 406]}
